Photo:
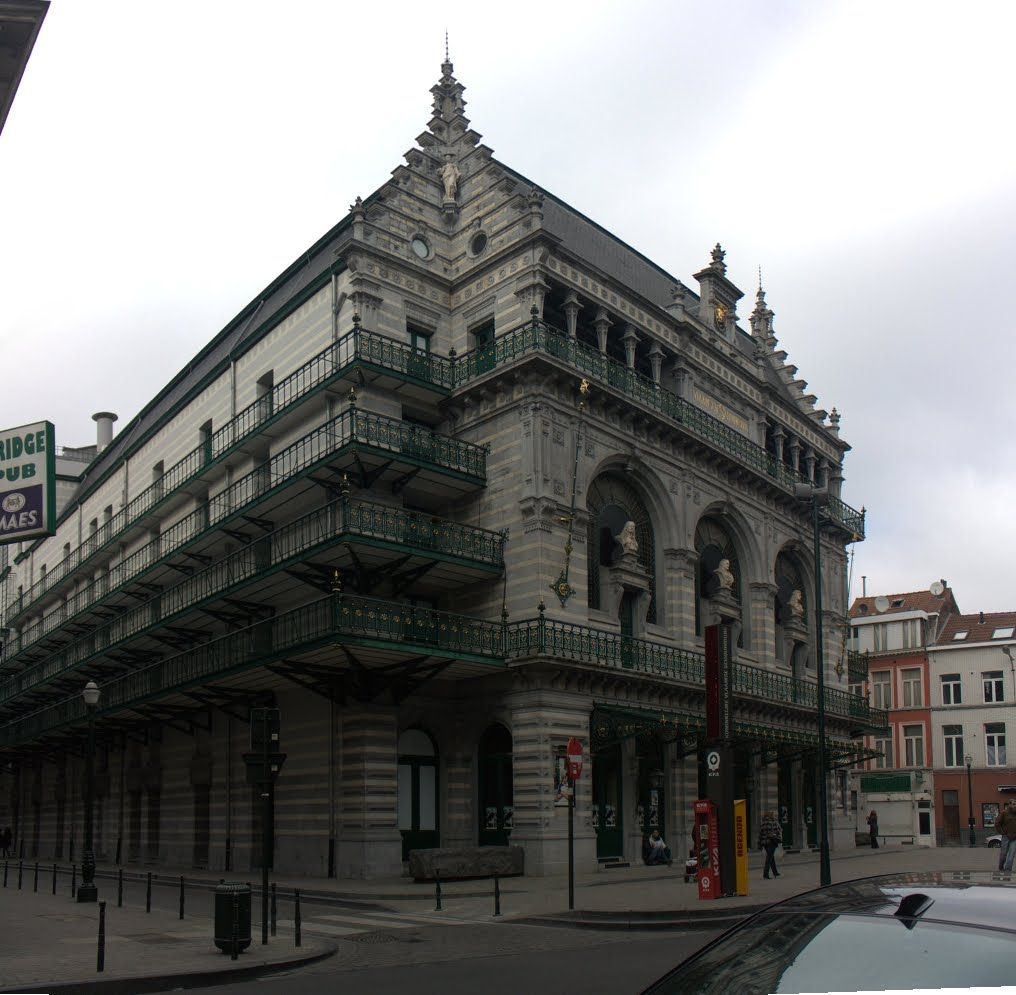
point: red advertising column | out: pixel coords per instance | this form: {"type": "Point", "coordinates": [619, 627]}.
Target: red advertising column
{"type": "Point", "coordinates": [708, 852]}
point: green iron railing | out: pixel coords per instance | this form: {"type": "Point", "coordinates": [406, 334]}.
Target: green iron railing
{"type": "Point", "coordinates": [411, 629]}
{"type": "Point", "coordinates": [358, 347]}
{"type": "Point", "coordinates": [319, 530]}
{"type": "Point", "coordinates": [538, 337]}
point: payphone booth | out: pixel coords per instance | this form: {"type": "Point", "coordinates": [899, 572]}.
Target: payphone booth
{"type": "Point", "coordinates": [707, 839]}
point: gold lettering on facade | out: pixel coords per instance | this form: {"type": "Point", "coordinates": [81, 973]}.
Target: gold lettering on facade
{"type": "Point", "coordinates": [720, 411]}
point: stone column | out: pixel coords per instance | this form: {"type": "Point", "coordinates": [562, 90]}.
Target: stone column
{"type": "Point", "coordinates": [601, 323]}
{"type": "Point", "coordinates": [762, 595]}
{"type": "Point", "coordinates": [369, 842]}
{"type": "Point", "coordinates": [678, 590]}
{"type": "Point", "coordinates": [542, 721]}
{"type": "Point", "coordinates": [630, 339]}
{"type": "Point", "coordinates": [656, 362]}
{"type": "Point", "coordinates": [571, 310]}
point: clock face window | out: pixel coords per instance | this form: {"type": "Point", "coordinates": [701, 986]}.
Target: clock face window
{"type": "Point", "coordinates": [421, 247]}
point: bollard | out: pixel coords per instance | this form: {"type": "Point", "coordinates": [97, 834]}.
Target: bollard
{"type": "Point", "coordinates": [100, 963]}
{"type": "Point", "coordinates": [74, 880]}
{"type": "Point", "coordinates": [21, 871]}
{"type": "Point", "coordinates": [497, 896]}
{"type": "Point", "coordinates": [148, 894]}
{"type": "Point", "coordinates": [35, 883]}
{"type": "Point", "coordinates": [5, 873]}
{"type": "Point", "coordinates": [296, 915]}
{"type": "Point", "coordinates": [181, 896]}
{"type": "Point", "coordinates": [54, 879]}
{"type": "Point", "coordinates": [236, 928]}
{"type": "Point", "coordinates": [274, 912]}
{"type": "Point", "coordinates": [119, 889]}
{"type": "Point", "coordinates": [437, 889]}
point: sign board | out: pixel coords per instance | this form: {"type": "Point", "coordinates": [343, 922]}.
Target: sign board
{"type": "Point", "coordinates": [719, 693]}
{"type": "Point", "coordinates": [741, 846]}
{"type": "Point", "coordinates": [707, 849]}
{"type": "Point", "coordinates": [27, 482]}
{"type": "Point", "coordinates": [574, 754]}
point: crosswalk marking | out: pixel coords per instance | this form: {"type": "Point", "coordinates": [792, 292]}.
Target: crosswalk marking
{"type": "Point", "coordinates": [339, 924]}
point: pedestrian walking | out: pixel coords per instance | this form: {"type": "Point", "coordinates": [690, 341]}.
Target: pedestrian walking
{"type": "Point", "coordinates": [1006, 825]}
{"type": "Point", "coordinates": [873, 829]}
{"type": "Point", "coordinates": [770, 836]}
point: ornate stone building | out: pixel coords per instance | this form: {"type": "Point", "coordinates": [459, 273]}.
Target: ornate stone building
{"type": "Point", "coordinates": [467, 479]}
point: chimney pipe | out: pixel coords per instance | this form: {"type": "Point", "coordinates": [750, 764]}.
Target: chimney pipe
{"type": "Point", "coordinates": [103, 429]}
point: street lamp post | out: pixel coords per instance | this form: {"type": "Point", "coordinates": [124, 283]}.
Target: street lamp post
{"type": "Point", "coordinates": [812, 494]}
{"type": "Point", "coordinates": [87, 892]}
{"type": "Point", "coordinates": [970, 798]}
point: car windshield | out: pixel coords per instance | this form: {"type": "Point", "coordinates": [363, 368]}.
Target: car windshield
{"type": "Point", "coordinates": [817, 953]}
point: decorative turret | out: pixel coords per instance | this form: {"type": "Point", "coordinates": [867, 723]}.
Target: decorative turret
{"type": "Point", "coordinates": [718, 297]}
{"type": "Point", "coordinates": [762, 319]}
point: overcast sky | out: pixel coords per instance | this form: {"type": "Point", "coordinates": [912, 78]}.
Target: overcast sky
{"type": "Point", "coordinates": [164, 161]}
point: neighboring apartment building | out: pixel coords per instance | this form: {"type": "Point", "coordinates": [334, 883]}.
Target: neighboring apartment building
{"type": "Point", "coordinates": [469, 478]}
{"type": "Point", "coordinates": [973, 684]}
{"type": "Point", "coordinates": [894, 631]}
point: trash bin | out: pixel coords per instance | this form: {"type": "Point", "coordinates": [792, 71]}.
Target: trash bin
{"type": "Point", "coordinates": [225, 894]}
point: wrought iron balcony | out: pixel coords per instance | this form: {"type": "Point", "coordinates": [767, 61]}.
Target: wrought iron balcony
{"type": "Point", "coordinates": [353, 429]}
{"type": "Point", "coordinates": [356, 349]}
{"type": "Point", "coordinates": [539, 337]}
{"type": "Point", "coordinates": [332, 525]}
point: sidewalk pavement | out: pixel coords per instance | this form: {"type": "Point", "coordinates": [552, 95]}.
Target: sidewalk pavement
{"type": "Point", "coordinates": [50, 942]}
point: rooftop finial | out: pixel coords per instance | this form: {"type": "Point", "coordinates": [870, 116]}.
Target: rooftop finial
{"type": "Point", "coordinates": [446, 56]}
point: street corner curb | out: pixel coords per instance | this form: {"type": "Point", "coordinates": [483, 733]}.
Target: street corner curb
{"type": "Point", "coordinates": [257, 967]}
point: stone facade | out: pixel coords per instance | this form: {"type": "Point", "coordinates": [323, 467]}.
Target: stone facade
{"type": "Point", "coordinates": [385, 500]}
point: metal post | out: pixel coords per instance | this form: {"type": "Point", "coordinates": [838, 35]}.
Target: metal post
{"type": "Point", "coordinates": [21, 871]}
{"type": "Point", "coordinates": [148, 894]}
{"type": "Point", "coordinates": [275, 912]}
{"type": "Point", "coordinates": [101, 961]}
{"type": "Point", "coordinates": [296, 915]}
{"type": "Point", "coordinates": [571, 842]}
{"type": "Point", "coordinates": [265, 835]}
{"type": "Point", "coordinates": [5, 873]}
{"type": "Point", "coordinates": [181, 896]}
{"type": "Point", "coordinates": [497, 896]}
{"type": "Point", "coordinates": [74, 880]}
{"type": "Point", "coordinates": [35, 884]}
{"type": "Point", "coordinates": [970, 798]}
{"type": "Point", "coordinates": [54, 879]}
{"type": "Point", "coordinates": [88, 891]}
{"type": "Point", "coordinates": [437, 890]}
{"type": "Point", "coordinates": [825, 871]}
{"type": "Point", "coordinates": [119, 889]}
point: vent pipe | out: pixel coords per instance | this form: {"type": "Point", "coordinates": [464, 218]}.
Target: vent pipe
{"type": "Point", "coordinates": [103, 429]}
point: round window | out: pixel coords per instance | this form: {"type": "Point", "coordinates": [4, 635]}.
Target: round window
{"type": "Point", "coordinates": [420, 247]}
{"type": "Point", "coordinates": [478, 243]}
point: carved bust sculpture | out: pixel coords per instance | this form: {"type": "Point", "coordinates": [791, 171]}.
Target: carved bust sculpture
{"type": "Point", "coordinates": [626, 538]}
{"type": "Point", "coordinates": [724, 578]}
{"type": "Point", "coordinates": [796, 605]}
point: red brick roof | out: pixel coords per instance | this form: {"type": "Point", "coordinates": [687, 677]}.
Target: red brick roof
{"type": "Point", "coordinates": [911, 601]}
{"type": "Point", "coordinates": [979, 627]}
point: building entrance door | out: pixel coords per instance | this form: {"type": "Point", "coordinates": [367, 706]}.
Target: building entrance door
{"type": "Point", "coordinates": [417, 792]}
{"type": "Point", "coordinates": [950, 816]}
{"type": "Point", "coordinates": [924, 823]}
{"type": "Point", "coordinates": [496, 788]}
{"type": "Point", "coordinates": [785, 793]}
{"type": "Point", "coordinates": [607, 802]}
{"type": "Point", "coordinates": [650, 793]}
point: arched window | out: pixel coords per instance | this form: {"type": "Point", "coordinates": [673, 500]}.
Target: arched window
{"type": "Point", "coordinates": [713, 544]}
{"type": "Point", "coordinates": [418, 797]}
{"type": "Point", "coordinates": [611, 503]}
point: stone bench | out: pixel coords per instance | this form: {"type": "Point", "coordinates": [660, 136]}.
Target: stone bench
{"type": "Point", "coordinates": [462, 863]}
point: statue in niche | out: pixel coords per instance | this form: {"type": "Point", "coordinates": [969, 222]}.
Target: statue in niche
{"type": "Point", "coordinates": [724, 578]}
{"type": "Point", "coordinates": [626, 539]}
{"type": "Point", "coordinates": [795, 603]}
{"type": "Point", "coordinates": [450, 177]}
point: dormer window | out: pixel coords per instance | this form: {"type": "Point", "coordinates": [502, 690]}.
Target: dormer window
{"type": "Point", "coordinates": [1003, 633]}
{"type": "Point", "coordinates": [962, 634]}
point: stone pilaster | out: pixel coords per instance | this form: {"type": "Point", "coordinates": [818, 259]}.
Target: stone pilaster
{"type": "Point", "coordinates": [369, 843]}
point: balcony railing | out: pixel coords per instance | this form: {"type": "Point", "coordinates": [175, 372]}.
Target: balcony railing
{"type": "Point", "coordinates": [539, 337]}
{"type": "Point", "coordinates": [358, 347]}
{"type": "Point", "coordinates": [309, 535]}
{"type": "Point", "coordinates": [409, 629]}
{"type": "Point", "coordinates": [351, 428]}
